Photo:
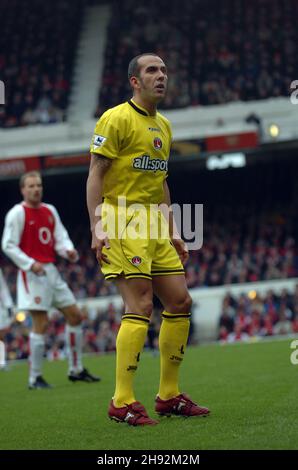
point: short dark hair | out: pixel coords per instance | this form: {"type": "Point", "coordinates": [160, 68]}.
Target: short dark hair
{"type": "Point", "coordinates": [27, 175]}
{"type": "Point", "coordinates": [134, 67]}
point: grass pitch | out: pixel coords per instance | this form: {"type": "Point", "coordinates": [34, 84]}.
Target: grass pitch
{"type": "Point", "coordinates": [251, 390]}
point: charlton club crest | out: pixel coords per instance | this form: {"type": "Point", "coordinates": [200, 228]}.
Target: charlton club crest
{"type": "Point", "coordinates": [136, 260]}
{"type": "Point", "coordinates": [157, 143]}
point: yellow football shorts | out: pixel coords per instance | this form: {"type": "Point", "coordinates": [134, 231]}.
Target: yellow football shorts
{"type": "Point", "coordinates": [140, 246]}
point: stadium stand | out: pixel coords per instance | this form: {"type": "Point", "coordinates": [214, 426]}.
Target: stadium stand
{"type": "Point", "coordinates": [258, 315]}
{"type": "Point", "coordinates": [231, 254]}
{"type": "Point", "coordinates": [216, 52]}
{"type": "Point", "coordinates": [37, 50]}
{"type": "Point", "coordinates": [241, 318]}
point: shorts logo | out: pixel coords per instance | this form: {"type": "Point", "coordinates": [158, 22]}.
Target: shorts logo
{"type": "Point", "coordinates": [157, 143]}
{"type": "Point", "coordinates": [37, 300]}
{"type": "Point", "coordinates": [99, 140]}
{"type": "Point", "coordinates": [136, 260]}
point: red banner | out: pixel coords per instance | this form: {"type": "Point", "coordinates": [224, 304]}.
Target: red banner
{"type": "Point", "coordinates": [66, 160]}
{"type": "Point", "coordinates": [232, 142]}
{"type": "Point", "coordinates": [18, 166]}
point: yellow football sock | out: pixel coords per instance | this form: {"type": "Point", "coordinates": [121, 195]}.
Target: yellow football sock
{"type": "Point", "coordinates": [129, 345]}
{"type": "Point", "coordinates": [172, 343]}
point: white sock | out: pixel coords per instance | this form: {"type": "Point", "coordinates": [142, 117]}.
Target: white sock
{"type": "Point", "coordinates": [37, 344]}
{"type": "Point", "coordinates": [74, 342]}
{"type": "Point", "coordinates": [2, 355]}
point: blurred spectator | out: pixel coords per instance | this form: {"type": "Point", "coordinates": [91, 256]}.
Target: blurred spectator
{"type": "Point", "coordinates": [237, 335]}
{"type": "Point", "coordinates": [283, 326]}
{"type": "Point", "coordinates": [266, 315]}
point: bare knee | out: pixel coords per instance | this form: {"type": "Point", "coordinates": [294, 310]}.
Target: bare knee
{"type": "Point", "coordinates": [137, 295]}
{"type": "Point", "coordinates": [146, 307]}
{"type": "Point", "coordinates": [74, 318]}
{"type": "Point", "coordinates": [142, 306]}
{"type": "Point", "coordinates": [182, 304]}
{"type": "Point", "coordinates": [73, 315]}
{"type": "Point", "coordinates": [40, 323]}
{"type": "Point", "coordinates": [2, 334]}
{"type": "Point", "coordinates": [139, 300]}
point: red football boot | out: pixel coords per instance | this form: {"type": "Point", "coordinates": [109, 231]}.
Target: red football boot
{"type": "Point", "coordinates": [181, 405]}
{"type": "Point", "coordinates": [133, 414]}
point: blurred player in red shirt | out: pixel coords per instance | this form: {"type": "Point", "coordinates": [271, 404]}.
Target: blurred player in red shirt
{"type": "Point", "coordinates": [33, 235]}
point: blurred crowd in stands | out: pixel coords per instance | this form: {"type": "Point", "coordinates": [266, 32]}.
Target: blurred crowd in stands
{"type": "Point", "coordinates": [37, 48]}
{"type": "Point", "coordinates": [216, 52]}
{"type": "Point", "coordinates": [100, 327]}
{"type": "Point", "coordinates": [233, 252]}
{"type": "Point", "coordinates": [257, 249]}
{"type": "Point", "coordinates": [242, 317]}
{"type": "Point", "coordinates": [249, 251]}
{"type": "Point", "coordinates": [253, 315]}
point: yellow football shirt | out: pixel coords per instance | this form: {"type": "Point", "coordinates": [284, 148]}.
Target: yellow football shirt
{"type": "Point", "coordinates": [139, 145]}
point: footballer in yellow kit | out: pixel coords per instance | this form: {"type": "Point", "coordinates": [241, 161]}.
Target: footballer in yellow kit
{"type": "Point", "coordinates": [139, 145]}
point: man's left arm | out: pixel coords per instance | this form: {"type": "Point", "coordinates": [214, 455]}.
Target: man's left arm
{"type": "Point", "coordinates": [167, 211]}
{"type": "Point", "coordinates": [63, 244]}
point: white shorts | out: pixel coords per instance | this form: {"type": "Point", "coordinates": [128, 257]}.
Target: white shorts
{"type": "Point", "coordinates": [5, 319]}
{"type": "Point", "coordinates": [43, 292]}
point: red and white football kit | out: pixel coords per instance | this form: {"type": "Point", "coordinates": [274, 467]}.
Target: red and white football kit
{"type": "Point", "coordinates": [37, 234]}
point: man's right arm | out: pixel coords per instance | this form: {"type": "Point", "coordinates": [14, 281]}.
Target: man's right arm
{"type": "Point", "coordinates": [13, 228]}
{"type": "Point", "coordinates": [99, 165]}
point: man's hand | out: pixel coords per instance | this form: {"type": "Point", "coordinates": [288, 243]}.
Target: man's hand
{"type": "Point", "coordinates": [72, 256]}
{"type": "Point", "coordinates": [181, 249]}
{"type": "Point", "coordinates": [99, 241]}
{"type": "Point", "coordinates": [38, 269]}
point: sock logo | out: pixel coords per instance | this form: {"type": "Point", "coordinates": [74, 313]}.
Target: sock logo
{"type": "Point", "coordinates": [182, 349]}
{"type": "Point", "coordinates": [131, 368]}
{"type": "Point", "coordinates": [175, 358]}
{"type": "Point", "coordinates": [138, 357]}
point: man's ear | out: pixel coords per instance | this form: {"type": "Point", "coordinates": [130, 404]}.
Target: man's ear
{"type": "Point", "coordinates": [134, 82]}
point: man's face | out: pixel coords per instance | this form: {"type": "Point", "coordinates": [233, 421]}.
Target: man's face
{"type": "Point", "coordinates": [153, 78]}
{"type": "Point", "coordinates": [32, 190]}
